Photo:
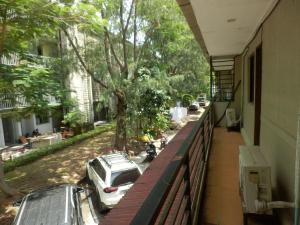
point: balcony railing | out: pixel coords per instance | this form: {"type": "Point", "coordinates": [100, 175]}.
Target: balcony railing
{"type": "Point", "coordinates": [170, 190]}
{"type": "Point", "coordinates": [11, 60]}
{"type": "Point", "coordinates": [11, 101]}
{"type": "Point", "coordinates": [14, 59]}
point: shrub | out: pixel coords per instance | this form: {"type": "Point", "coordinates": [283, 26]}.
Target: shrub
{"type": "Point", "coordinates": [186, 100]}
{"type": "Point", "coordinates": [43, 151]}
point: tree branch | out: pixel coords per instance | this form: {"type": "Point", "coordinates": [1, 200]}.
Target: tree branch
{"type": "Point", "coordinates": [141, 52]}
{"type": "Point", "coordinates": [82, 61]}
{"type": "Point", "coordinates": [129, 15]}
{"type": "Point", "coordinates": [121, 16]}
{"type": "Point", "coordinates": [123, 31]}
{"type": "Point", "coordinates": [113, 49]}
{"type": "Point", "coordinates": [135, 32]}
{"type": "Point", "coordinates": [107, 55]}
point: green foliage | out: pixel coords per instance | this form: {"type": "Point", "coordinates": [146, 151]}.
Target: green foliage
{"type": "Point", "coordinates": [22, 21]}
{"type": "Point", "coordinates": [153, 111]}
{"type": "Point", "coordinates": [76, 120]}
{"type": "Point", "coordinates": [163, 55]}
{"type": "Point", "coordinates": [31, 79]}
{"type": "Point", "coordinates": [51, 149]}
{"type": "Point", "coordinates": [32, 82]}
{"type": "Point", "coordinates": [152, 102]}
{"type": "Point", "coordinates": [186, 100]}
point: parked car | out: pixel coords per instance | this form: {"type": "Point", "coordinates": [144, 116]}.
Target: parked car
{"type": "Point", "coordinates": [54, 205]}
{"type": "Point", "coordinates": [112, 175]}
{"type": "Point", "coordinates": [201, 101]}
{"type": "Point", "coordinates": [194, 106]}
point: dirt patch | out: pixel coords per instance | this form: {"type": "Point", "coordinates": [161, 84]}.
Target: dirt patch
{"type": "Point", "coordinates": [66, 166]}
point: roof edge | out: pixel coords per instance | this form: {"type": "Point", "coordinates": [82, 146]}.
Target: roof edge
{"type": "Point", "coordinates": [188, 12]}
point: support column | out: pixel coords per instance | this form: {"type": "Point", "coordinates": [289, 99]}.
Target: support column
{"type": "Point", "coordinates": [2, 140]}
{"type": "Point", "coordinates": [18, 128]}
{"type": "Point", "coordinates": [211, 79]}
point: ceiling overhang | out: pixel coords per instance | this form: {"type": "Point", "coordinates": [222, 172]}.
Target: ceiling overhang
{"type": "Point", "coordinates": [224, 28]}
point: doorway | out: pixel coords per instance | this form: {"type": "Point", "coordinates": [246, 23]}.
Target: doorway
{"type": "Point", "coordinates": [258, 86]}
{"type": "Point", "coordinates": [8, 130]}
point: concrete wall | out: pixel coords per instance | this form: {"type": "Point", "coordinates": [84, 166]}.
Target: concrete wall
{"type": "Point", "coordinates": [280, 38]}
{"type": "Point", "coordinates": [248, 107]}
{"type": "Point", "coordinates": [29, 124]}
{"type": "Point", "coordinates": [45, 127]}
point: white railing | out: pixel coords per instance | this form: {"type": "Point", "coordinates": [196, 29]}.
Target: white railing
{"type": "Point", "coordinates": [11, 60]}
{"type": "Point", "coordinates": [10, 101]}
{"type": "Point", "coordinates": [52, 101]}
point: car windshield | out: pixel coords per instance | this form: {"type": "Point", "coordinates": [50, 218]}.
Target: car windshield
{"type": "Point", "coordinates": [124, 177]}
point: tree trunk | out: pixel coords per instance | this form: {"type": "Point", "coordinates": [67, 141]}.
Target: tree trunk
{"type": "Point", "coordinates": [121, 139]}
{"type": "Point", "coordinates": [3, 186]}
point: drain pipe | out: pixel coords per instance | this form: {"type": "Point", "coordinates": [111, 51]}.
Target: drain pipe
{"type": "Point", "coordinates": [262, 206]}
{"type": "Point", "coordinates": [297, 175]}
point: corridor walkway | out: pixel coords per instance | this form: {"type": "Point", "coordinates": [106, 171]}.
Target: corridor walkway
{"type": "Point", "coordinates": [222, 204]}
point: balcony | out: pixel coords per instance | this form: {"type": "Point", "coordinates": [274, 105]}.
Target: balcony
{"type": "Point", "coordinates": [13, 101]}
{"type": "Point", "coordinates": [195, 180]}
{"type": "Point", "coordinates": [14, 59]}
{"type": "Point", "coordinates": [11, 60]}
{"type": "Point", "coordinates": [9, 101]}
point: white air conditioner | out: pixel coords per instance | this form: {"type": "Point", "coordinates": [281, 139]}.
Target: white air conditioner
{"type": "Point", "coordinates": [255, 178]}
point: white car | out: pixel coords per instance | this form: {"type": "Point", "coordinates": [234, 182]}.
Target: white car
{"type": "Point", "coordinates": [112, 175]}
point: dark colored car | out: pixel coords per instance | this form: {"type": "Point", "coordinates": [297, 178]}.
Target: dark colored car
{"type": "Point", "coordinates": [194, 106]}
{"type": "Point", "coordinates": [59, 205]}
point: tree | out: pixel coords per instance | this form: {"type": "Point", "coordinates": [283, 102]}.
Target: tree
{"type": "Point", "coordinates": [130, 36]}
{"type": "Point", "coordinates": [21, 22]}
{"type": "Point", "coordinates": [122, 56]}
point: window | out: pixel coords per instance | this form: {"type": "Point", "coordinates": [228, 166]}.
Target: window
{"type": "Point", "coordinates": [251, 79]}
{"type": "Point", "coordinates": [99, 169]}
{"type": "Point", "coordinates": [224, 85]}
{"type": "Point", "coordinates": [41, 119]}
{"type": "Point", "coordinates": [40, 50]}
{"type": "Point", "coordinates": [124, 177]}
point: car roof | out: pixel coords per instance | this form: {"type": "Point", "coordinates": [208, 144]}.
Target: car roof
{"type": "Point", "coordinates": [117, 162]}
{"type": "Point", "coordinates": [51, 206]}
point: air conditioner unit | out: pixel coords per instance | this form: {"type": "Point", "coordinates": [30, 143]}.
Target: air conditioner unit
{"type": "Point", "coordinates": [255, 178]}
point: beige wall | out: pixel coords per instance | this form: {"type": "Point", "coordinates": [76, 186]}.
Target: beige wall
{"type": "Point", "coordinates": [248, 107]}
{"type": "Point", "coordinates": [237, 77]}
{"type": "Point", "coordinates": [280, 38]}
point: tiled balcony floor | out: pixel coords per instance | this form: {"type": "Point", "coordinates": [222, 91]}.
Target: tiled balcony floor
{"type": "Point", "coordinates": [222, 203]}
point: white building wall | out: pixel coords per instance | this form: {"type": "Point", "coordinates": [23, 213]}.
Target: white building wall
{"type": "Point", "coordinates": [28, 124]}
{"type": "Point", "coordinates": [79, 81]}
{"type": "Point", "coordinates": [45, 127]}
